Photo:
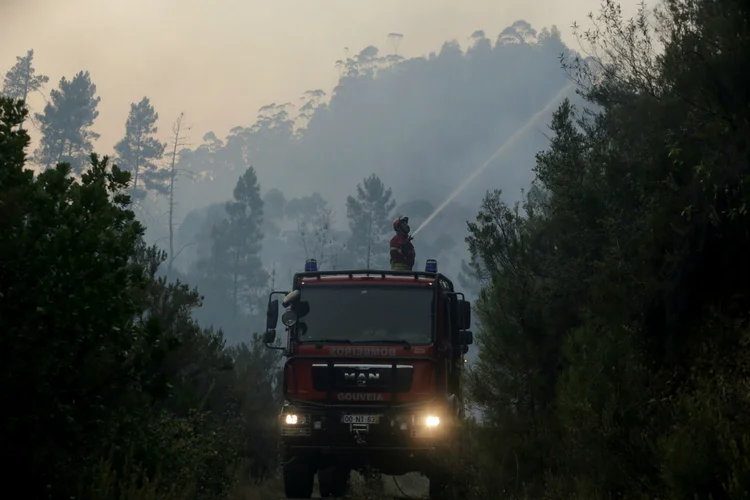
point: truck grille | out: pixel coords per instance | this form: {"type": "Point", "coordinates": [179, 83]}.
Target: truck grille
{"type": "Point", "coordinates": [362, 377]}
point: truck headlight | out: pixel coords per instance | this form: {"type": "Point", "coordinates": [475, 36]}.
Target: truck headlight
{"type": "Point", "coordinates": [432, 421]}
{"type": "Point", "coordinates": [291, 419]}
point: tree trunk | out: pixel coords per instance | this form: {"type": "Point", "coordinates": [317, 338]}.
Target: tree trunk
{"type": "Point", "coordinates": [25, 88]}
{"type": "Point", "coordinates": [172, 174]}
{"type": "Point", "coordinates": [369, 239]}
{"type": "Point", "coordinates": [234, 284]}
{"type": "Point", "coordinates": [136, 168]}
{"type": "Point", "coordinates": [171, 219]}
{"type": "Point", "coordinates": [59, 155]}
{"type": "Point", "coordinates": [137, 161]}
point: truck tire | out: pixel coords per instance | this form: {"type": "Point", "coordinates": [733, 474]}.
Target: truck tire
{"type": "Point", "coordinates": [441, 487]}
{"type": "Point", "coordinates": [299, 479]}
{"type": "Point", "coordinates": [333, 481]}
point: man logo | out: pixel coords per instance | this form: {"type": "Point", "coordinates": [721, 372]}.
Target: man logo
{"type": "Point", "coordinates": [361, 378]}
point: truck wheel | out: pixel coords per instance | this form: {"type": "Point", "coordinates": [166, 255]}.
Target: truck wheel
{"type": "Point", "coordinates": [298, 478]}
{"type": "Point", "coordinates": [441, 487]}
{"type": "Point", "coordinates": [333, 481]}
{"type": "Point", "coordinates": [373, 479]}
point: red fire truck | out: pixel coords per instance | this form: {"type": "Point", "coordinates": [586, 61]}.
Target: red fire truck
{"type": "Point", "coordinates": [372, 376]}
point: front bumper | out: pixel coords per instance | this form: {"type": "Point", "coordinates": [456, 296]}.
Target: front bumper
{"type": "Point", "coordinates": [331, 429]}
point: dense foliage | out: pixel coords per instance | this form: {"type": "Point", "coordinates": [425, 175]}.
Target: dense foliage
{"type": "Point", "coordinates": [111, 389]}
{"type": "Point", "coordinates": [612, 301]}
{"type": "Point", "coordinates": [615, 339]}
{"type": "Point", "coordinates": [403, 126]}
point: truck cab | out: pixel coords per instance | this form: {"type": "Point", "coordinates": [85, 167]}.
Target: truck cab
{"type": "Point", "coordinates": [371, 377]}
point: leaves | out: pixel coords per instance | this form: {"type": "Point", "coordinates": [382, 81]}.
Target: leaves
{"type": "Point", "coordinates": [139, 150]}
{"type": "Point", "coordinates": [65, 124]}
{"type": "Point", "coordinates": [21, 80]}
{"type": "Point", "coordinates": [370, 217]}
{"type": "Point", "coordinates": [603, 292]}
{"type": "Point", "coordinates": [232, 274]}
{"type": "Point", "coordinates": [102, 365]}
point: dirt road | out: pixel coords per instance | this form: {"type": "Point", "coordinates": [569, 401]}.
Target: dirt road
{"type": "Point", "coordinates": [408, 487]}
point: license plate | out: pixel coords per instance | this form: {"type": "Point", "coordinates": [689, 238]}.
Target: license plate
{"type": "Point", "coordinates": [360, 419]}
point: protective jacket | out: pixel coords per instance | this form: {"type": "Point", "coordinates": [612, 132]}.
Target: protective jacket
{"type": "Point", "coordinates": [402, 253]}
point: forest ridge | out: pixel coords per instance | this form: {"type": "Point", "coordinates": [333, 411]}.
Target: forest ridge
{"type": "Point", "coordinates": [611, 301]}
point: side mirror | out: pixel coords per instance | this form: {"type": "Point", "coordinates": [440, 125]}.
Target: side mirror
{"type": "Point", "coordinates": [464, 307]}
{"type": "Point", "coordinates": [466, 337]}
{"type": "Point", "coordinates": [272, 315]}
{"type": "Point", "coordinates": [289, 319]}
{"type": "Point", "coordinates": [269, 336]}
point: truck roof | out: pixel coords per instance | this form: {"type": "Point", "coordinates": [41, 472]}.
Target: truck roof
{"type": "Point", "coordinates": [372, 276]}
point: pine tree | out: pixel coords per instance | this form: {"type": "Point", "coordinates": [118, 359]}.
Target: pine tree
{"type": "Point", "coordinates": [65, 123]}
{"type": "Point", "coordinates": [21, 80]}
{"type": "Point", "coordinates": [370, 217]}
{"type": "Point", "coordinates": [317, 239]}
{"type": "Point", "coordinates": [237, 243]}
{"type": "Point", "coordinates": [138, 151]}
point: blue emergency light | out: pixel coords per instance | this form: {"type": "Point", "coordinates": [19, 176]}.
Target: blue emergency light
{"type": "Point", "coordinates": [311, 265]}
{"type": "Point", "coordinates": [430, 266]}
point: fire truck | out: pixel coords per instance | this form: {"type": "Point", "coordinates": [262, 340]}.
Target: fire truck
{"type": "Point", "coordinates": [371, 377]}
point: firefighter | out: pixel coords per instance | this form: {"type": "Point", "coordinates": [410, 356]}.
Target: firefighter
{"type": "Point", "coordinates": [402, 250]}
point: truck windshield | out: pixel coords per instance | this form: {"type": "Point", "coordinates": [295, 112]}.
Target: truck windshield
{"type": "Point", "coordinates": [366, 314]}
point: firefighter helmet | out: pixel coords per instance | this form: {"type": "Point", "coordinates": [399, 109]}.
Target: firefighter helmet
{"type": "Point", "coordinates": [398, 221]}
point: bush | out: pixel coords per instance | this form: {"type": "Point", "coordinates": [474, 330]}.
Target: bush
{"type": "Point", "coordinates": [614, 307]}
{"type": "Point", "coordinates": [114, 391]}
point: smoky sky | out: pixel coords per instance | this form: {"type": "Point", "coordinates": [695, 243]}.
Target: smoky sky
{"type": "Point", "coordinates": [220, 60]}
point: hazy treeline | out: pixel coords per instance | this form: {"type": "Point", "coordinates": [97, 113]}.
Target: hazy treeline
{"type": "Point", "coordinates": [398, 133]}
{"type": "Point", "coordinates": [112, 390]}
{"type": "Point", "coordinates": [614, 307]}
{"type": "Point", "coordinates": [612, 301]}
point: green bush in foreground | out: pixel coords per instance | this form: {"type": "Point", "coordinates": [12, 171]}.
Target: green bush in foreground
{"type": "Point", "coordinates": [614, 311]}
{"type": "Point", "coordinates": [111, 389]}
